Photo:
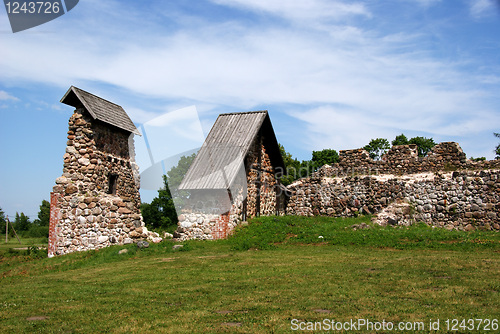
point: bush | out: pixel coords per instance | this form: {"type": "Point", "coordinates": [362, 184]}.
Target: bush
{"type": "Point", "coordinates": [36, 231]}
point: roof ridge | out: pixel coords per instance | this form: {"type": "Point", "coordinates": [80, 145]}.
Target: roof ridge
{"type": "Point", "coordinates": [244, 112]}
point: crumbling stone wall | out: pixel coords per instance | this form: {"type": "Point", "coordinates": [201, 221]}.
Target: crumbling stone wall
{"type": "Point", "coordinates": [97, 198]}
{"type": "Point", "coordinates": [466, 199]}
{"type": "Point", "coordinates": [404, 159]}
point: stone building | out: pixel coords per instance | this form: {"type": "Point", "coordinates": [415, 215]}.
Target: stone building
{"type": "Point", "coordinates": [96, 201]}
{"type": "Point", "coordinates": [235, 175]}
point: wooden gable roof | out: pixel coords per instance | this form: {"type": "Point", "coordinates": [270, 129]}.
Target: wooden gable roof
{"type": "Point", "coordinates": [99, 108]}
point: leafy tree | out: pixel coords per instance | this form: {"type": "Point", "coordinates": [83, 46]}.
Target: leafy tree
{"type": "Point", "coordinates": [497, 149]}
{"type": "Point", "coordinates": [292, 167]}
{"type": "Point", "coordinates": [2, 221]}
{"type": "Point", "coordinates": [161, 212]}
{"type": "Point", "coordinates": [377, 148]}
{"type": "Point", "coordinates": [296, 169]}
{"type": "Point", "coordinates": [325, 157]}
{"type": "Point", "coordinates": [424, 145]}
{"type": "Point", "coordinates": [22, 222]}
{"type": "Point", "coordinates": [400, 140]}
{"type": "Point", "coordinates": [176, 173]}
{"type": "Point", "coordinates": [43, 215]}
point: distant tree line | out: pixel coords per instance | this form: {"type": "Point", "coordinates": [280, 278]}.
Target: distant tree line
{"type": "Point", "coordinates": [39, 228]}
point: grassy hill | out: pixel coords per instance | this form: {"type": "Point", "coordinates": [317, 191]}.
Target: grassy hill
{"type": "Point", "coordinates": [271, 276]}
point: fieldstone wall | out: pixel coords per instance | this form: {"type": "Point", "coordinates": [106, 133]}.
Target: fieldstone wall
{"type": "Point", "coordinates": [97, 197]}
{"type": "Point", "coordinates": [404, 159]}
{"type": "Point", "coordinates": [261, 182]}
{"type": "Point", "coordinates": [403, 189]}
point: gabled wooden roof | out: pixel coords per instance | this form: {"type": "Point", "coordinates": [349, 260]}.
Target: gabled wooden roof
{"type": "Point", "coordinates": [221, 158]}
{"type": "Point", "coordinates": [99, 108]}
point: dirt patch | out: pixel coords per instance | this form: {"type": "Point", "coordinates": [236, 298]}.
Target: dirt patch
{"type": "Point", "coordinates": [320, 310]}
{"type": "Point", "coordinates": [37, 318]}
{"type": "Point", "coordinates": [232, 324]}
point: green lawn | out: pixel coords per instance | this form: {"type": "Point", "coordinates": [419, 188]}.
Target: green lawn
{"type": "Point", "coordinates": [249, 284]}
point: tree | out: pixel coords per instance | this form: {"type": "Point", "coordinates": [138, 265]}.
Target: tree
{"type": "Point", "coordinates": [176, 173]}
{"type": "Point", "coordinates": [325, 157]}
{"type": "Point", "coordinates": [400, 140]}
{"type": "Point", "coordinates": [292, 167]}
{"type": "Point", "coordinates": [2, 221]}
{"type": "Point", "coordinates": [377, 148]}
{"type": "Point", "coordinates": [22, 222]}
{"type": "Point", "coordinates": [43, 215]}
{"type": "Point", "coordinates": [424, 145]}
{"type": "Point", "coordinates": [497, 149]}
{"type": "Point", "coordinates": [161, 212]}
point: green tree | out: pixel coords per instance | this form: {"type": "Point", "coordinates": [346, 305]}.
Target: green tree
{"type": "Point", "coordinates": [43, 215]}
{"type": "Point", "coordinates": [176, 173]}
{"type": "Point", "coordinates": [2, 221]}
{"type": "Point", "coordinates": [424, 145]}
{"type": "Point", "coordinates": [160, 213]}
{"type": "Point", "coordinates": [400, 140]}
{"type": "Point", "coordinates": [497, 149]}
{"type": "Point", "coordinates": [292, 167]}
{"type": "Point", "coordinates": [377, 148]}
{"type": "Point", "coordinates": [22, 222]}
{"type": "Point", "coordinates": [325, 157]}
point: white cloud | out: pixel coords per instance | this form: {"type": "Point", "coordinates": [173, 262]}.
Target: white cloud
{"type": "Point", "coordinates": [362, 80]}
{"type": "Point", "coordinates": [481, 8]}
{"type": "Point", "coordinates": [4, 96]}
{"type": "Point", "coordinates": [301, 9]}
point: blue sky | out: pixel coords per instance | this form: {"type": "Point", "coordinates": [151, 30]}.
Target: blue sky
{"type": "Point", "coordinates": [332, 73]}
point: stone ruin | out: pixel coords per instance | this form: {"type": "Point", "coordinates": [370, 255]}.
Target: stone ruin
{"type": "Point", "coordinates": [96, 201]}
{"type": "Point", "coordinates": [442, 189]}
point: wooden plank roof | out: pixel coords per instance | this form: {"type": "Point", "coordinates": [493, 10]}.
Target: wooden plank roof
{"type": "Point", "coordinates": [99, 108]}
{"type": "Point", "coordinates": [220, 161]}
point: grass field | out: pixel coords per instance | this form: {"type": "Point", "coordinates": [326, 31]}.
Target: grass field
{"type": "Point", "coordinates": [271, 272]}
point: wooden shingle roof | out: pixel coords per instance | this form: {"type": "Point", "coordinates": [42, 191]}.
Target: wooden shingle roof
{"type": "Point", "coordinates": [221, 158]}
{"type": "Point", "coordinates": [99, 108]}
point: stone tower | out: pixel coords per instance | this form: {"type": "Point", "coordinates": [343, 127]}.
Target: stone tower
{"type": "Point", "coordinates": [96, 201]}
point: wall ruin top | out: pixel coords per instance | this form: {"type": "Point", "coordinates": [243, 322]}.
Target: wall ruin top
{"type": "Point", "coordinates": [404, 159]}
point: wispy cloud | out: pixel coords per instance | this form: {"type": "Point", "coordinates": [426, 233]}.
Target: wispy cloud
{"type": "Point", "coordinates": [343, 76]}
{"type": "Point", "coordinates": [4, 96]}
{"type": "Point", "coordinates": [302, 9]}
{"type": "Point", "coordinates": [482, 8]}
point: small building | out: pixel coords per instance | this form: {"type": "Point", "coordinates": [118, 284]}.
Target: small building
{"type": "Point", "coordinates": [96, 201]}
{"type": "Point", "coordinates": [235, 175]}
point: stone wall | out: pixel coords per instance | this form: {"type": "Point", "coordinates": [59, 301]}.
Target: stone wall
{"type": "Point", "coordinates": [261, 181]}
{"type": "Point", "coordinates": [97, 198]}
{"type": "Point", "coordinates": [404, 159]}
{"type": "Point", "coordinates": [403, 189]}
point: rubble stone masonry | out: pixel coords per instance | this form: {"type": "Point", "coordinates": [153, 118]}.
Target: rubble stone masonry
{"type": "Point", "coordinates": [97, 197]}
{"type": "Point", "coordinates": [443, 189]}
